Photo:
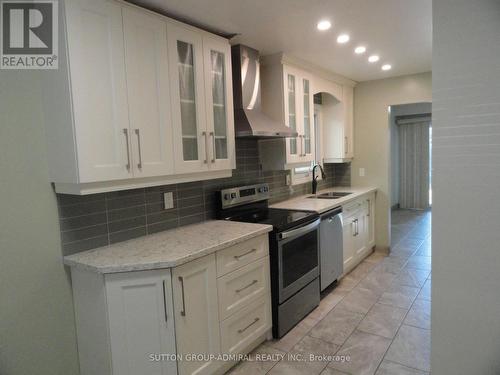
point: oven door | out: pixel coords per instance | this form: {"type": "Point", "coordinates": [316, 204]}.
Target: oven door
{"type": "Point", "coordinates": [298, 258]}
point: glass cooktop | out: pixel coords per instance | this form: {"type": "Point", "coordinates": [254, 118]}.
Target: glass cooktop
{"type": "Point", "coordinates": [280, 219]}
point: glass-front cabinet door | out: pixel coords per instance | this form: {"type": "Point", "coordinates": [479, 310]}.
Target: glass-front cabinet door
{"type": "Point", "coordinates": [188, 100]}
{"type": "Point", "coordinates": [219, 104]}
{"type": "Point", "coordinates": [292, 114]}
{"type": "Point", "coordinates": [308, 127]}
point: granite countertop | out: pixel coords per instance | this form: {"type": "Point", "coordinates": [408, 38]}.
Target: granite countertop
{"type": "Point", "coordinates": [166, 249]}
{"type": "Point", "coordinates": [323, 205]}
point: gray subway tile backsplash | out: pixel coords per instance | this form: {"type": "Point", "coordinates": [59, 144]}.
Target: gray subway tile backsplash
{"type": "Point", "coordinates": [92, 221]}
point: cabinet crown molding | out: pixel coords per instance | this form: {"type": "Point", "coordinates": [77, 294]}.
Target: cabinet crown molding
{"type": "Point", "coordinates": [282, 58]}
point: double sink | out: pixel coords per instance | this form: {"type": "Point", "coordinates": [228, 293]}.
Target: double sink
{"type": "Point", "coordinates": [330, 195]}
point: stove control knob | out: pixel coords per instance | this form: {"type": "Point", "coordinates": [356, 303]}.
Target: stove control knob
{"type": "Point", "coordinates": [233, 195]}
{"type": "Point", "coordinates": [227, 197]}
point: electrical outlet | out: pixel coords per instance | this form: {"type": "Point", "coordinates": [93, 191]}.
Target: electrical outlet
{"type": "Point", "coordinates": [361, 172]}
{"type": "Point", "coordinates": [168, 200]}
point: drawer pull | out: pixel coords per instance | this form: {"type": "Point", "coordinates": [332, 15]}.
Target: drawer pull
{"type": "Point", "coordinates": [246, 287]}
{"type": "Point", "coordinates": [237, 257]}
{"type": "Point", "coordinates": [183, 311]}
{"type": "Point", "coordinates": [248, 326]}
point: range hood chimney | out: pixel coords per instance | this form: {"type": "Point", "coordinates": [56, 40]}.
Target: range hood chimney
{"type": "Point", "coordinates": [249, 120]}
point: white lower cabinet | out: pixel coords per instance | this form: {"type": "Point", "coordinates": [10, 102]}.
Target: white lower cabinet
{"type": "Point", "coordinates": [141, 321]}
{"type": "Point", "coordinates": [196, 314]}
{"type": "Point", "coordinates": [153, 322]}
{"type": "Point", "coordinates": [358, 230]}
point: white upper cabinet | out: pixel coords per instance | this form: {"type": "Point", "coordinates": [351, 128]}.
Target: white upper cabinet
{"type": "Point", "coordinates": [219, 103]}
{"type": "Point", "coordinates": [337, 123]}
{"type": "Point", "coordinates": [146, 64]}
{"type": "Point", "coordinates": [298, 105]}
{"type": "Point", "coordinates": [188, 99]}
{"type": "Point", "coordinates": [138, 100]}
{"type": "Point", "coordinates": [98, 91]}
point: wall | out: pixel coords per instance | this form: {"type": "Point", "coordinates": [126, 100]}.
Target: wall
{"type": "Point", "coordinates": [372, 137]}
{"type": "Point", "coordinates": [466, 180]}
{"type": "Point", "coordinates": [401, 110]}
{"type": "Point", "coordinates": [101, 219]}
{"type": "Point", "coordinates": [37, 332]}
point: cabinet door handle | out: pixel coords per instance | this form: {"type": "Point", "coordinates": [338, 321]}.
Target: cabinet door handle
{"type": "Point", "coordinates": [237, 257]}
{"type": "Point", "coordinates": [248, 326]}
{"type": "Point", "coordinates": [246, 287]}
{"type": "Point", "coordinates": [212, 134]}
{"type": "Point", "coordinates": [346, 145]}
{"type": "Point", "coordinates": [165, 302]}
{"type": "Point", "coordinates": [369, 208]}
{"type": "Point", "coordinates": [205, 134]}
{"type": "Point", "coordinates": [183, 311]}
{"type": "Point", "coordinates": [125, 131]}
{"type": "Point", "coordinates": [353, 224]}
{"type": "Point", "coordinates": [137, 132]}
{"type": "Point", "coordinates": [357, 227]}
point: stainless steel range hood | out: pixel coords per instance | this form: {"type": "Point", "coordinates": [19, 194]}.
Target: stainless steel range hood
{"type": "Point", "coordinates": [249, 120]}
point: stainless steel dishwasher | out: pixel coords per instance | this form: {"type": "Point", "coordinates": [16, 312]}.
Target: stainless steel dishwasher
{"type": "Point", "coordinates": [331, 247]}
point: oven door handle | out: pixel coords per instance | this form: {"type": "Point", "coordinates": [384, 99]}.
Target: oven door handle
{"type": "Point", "coordinates": [299, 231]}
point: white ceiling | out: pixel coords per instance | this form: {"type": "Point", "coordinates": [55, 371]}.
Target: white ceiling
{"type": "Point", "coordinates": [400, 31]}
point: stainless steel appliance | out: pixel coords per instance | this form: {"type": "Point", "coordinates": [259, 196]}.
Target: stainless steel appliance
{"type": "Point", "coordinates": [293, 247]}
{"type": "Point", "coordinates": [331, 247]}
{"type": "Point", "coordinates": [249, 120]}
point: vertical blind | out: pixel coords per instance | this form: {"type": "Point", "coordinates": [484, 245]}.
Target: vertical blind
{"type": "Point", "coordinates": [414, 162]}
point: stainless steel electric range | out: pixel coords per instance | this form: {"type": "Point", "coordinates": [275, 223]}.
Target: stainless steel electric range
{"type": "Point", "coordinates": [293, 248]}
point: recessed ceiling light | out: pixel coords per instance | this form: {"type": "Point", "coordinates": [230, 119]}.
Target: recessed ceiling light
{"type": "Point", "coordinates": [373, 58]}
{"type": "Point", "coordinates": [386, 67]}
{"type": "Point", "coordinates": [359, 50]}
{"type": "Point", "coordinates": [342, 38]}
{"type": "Point", "coordinates": [324, 25]}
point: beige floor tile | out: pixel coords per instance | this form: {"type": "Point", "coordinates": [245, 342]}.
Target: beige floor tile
{"type": "Point", "coordinates": [412, 277]}
{"type": "Point", "coordinates": [425, 293]}
{"type": "Point", "coordinates": [327, 303]}
{"type": "Point", "coordinates": [365, 351]}
{"type": "Point", "coordinates": [377, 282]}
{"type": "Point", "coordinates": [376, 257]}
{"type": "Point", "coordinates": [287, 342]}
{"type": "Point", "coordinates": [419, 314]}
{"type": "Point", "coordinates": [254, 366]}
{"type": "Point", "coordinates": [346, 284]}
{"type": "Point", "coordinates": [359, 300]}
{"type": "Point", "coordinates": [399, 296]}
{"type": "Point", "coordinates": [337, 326]}
{"type": "Point", "coordinates": [362, 270]}
{"type": "Point", "coordinates": [391, 265]}
{"type": "Point", "coordinates": [409, 243]}
{"type": "Point", "coordinates": [424, 250]}
{"type": "Point", "coordinates": [392, 368]}
{"type": "Point", "coordinates": [383, 320]}
{"type": "Point", "coordinates": [299, 360]}
{"type": "Point", "coordinates": [332, 371]}
{"type": "Point", "coordinates": [411, 347]}
{"type": "Point", "coordinates": [419, 262]}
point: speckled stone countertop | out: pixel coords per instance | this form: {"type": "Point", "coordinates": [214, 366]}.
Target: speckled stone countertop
{"type": "Point", "coordinates": [166, 249]}
{"type": "Point", "coordinates": [323, 205]}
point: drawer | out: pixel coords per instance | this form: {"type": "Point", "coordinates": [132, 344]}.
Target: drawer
{"type": "Point", "coordinates": [241, 254]}
{"type": "Point", "coordinates": [353, 207]}
{"type": "Point", "coordinates": [242, 328]}
{"type": "Point", "coordinates": [243, 286]}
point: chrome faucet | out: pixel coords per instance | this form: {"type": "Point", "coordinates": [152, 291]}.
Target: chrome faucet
{"type": "Point", "coordinates": [315, 178]}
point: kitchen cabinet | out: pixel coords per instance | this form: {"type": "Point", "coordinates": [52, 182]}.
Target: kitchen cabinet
{"type": "Point", "coordinates": [99, 115]}
{"type": "Point", "coordinates": [141, 321]}
{"type": "Point", "coordinates": [196, 313]}
{"type": "Point", "coordinates": [150, 133]}
{"type": "Point", "coordinates": [219, 103]}
{"type": "Point", "coordinates": [216, 304]}
{"type": "Point", "coordinates": [358, 230]}
{"type": "Point", "coordinates": [292, 89]}
{"type": "Point", "coordinates": [138, 100]}
{"type": "Point", "coordinates": [202, 101]}
{"type": "Point", "coordinates": [338, 132]}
